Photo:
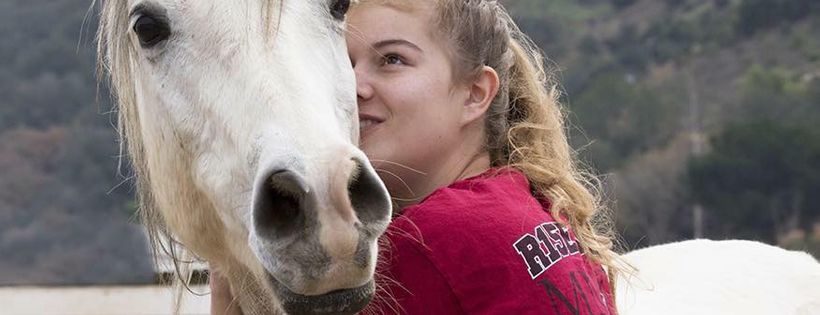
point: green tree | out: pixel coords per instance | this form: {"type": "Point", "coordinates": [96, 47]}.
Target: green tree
{"type": "Point", "coordinates": [760, 179]}
{"type": "Point", "coordinates": [756, 15]}
{"type": "Point", "coordinates": [620, 118]}
{"type": "Point", "coordinates": [779, 94]}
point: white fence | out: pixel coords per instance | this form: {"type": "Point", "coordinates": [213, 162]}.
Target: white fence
{"type": "Point", "coordinates": [117, 300]}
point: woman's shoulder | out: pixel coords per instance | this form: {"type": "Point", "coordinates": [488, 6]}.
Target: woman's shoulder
{"type": "Point", "coordinates": [494, 203]}
{"type": "Point", "coordinates": [492, 198]}
{"type": "Point", "coordinates": [475, 216]}
{"type": "Point", "coordinates": [494, 230]}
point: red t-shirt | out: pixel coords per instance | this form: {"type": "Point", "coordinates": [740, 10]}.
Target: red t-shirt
{"type": "Point", "coordinates": [485, 245]}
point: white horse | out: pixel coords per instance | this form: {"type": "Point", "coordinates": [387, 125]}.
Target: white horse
{"type": "Point", "coordinates": [719, 277]}
{"type": "Point", "coordinates": [240, 121]}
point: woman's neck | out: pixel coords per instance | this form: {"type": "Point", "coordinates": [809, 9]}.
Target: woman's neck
{"type": "Point", "coordinates": [461, 167]}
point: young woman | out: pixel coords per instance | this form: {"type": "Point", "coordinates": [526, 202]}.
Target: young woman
{"type": "Point", "coordinates": [460, 118]}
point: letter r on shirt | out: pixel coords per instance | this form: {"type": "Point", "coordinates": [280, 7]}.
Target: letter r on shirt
{"type": "Point", "coordinates": [528, 247]}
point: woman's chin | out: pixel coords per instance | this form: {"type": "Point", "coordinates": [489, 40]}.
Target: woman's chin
{"type": "Point", "coordinates": [366, 132]}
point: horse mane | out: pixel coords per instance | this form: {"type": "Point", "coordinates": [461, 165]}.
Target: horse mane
{"type": "Point", "coordinates": [116, 62]}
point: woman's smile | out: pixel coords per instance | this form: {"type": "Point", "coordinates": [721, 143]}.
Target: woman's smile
{"type": "Point", "coordinates": [367, 124]}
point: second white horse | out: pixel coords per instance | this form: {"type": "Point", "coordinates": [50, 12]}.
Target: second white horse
{"type": "Point", "coordinates": [719, 277]}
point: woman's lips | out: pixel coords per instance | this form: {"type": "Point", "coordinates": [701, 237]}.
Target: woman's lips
{"type": "Point", "coordinates": [367, 123]}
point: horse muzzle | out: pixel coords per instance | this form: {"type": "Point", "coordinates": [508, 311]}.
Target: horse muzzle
{"type": "Point", "coordinates": [316, 237]}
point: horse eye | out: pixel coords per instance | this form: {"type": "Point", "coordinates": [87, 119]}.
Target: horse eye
{"type": "Point", "coordinates": [151, 31]}
{"type": "Point", "coordinates": [338, 8]}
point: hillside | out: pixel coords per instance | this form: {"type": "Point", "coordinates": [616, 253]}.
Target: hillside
{"type": "Point", "coordinates": [652, 86]}
{"type": "Point", "coordinates": [676, 103]}
{"type": "Point", "coordinates": [64, 217]}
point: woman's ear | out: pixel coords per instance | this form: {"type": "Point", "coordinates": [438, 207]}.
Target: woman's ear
{"type": "Point", "coordinates": [482, 93]}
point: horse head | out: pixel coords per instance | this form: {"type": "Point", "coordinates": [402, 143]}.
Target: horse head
{"type": "Point", "coordinates": [240, 121]}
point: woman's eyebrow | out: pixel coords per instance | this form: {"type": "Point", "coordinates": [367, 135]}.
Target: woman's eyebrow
{"type": "Point", "coordinates": [390, 42]}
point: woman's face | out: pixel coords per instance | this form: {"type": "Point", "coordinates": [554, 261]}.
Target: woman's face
{"type": "Point", "coordinates": [410, 109]}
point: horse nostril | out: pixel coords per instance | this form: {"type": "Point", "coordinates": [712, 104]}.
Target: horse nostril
{"type": "Point", "coordinates": [368, 196]}
{"type": "Point", "coordinates": [278, 208]}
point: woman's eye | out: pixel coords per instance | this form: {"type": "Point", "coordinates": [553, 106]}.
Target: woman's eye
{"type": "Point", "coordinates": [392, 60]}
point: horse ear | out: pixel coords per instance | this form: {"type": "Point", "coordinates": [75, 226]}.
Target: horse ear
{"type": "Point", "coordinates": [482, 92]}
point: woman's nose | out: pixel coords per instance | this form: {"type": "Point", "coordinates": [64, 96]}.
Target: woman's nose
{"type": "Point", "coordinates": [364, 90]}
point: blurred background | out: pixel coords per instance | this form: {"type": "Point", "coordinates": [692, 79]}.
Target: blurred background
{"type": "Point", "coordinates": [702, 116]}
